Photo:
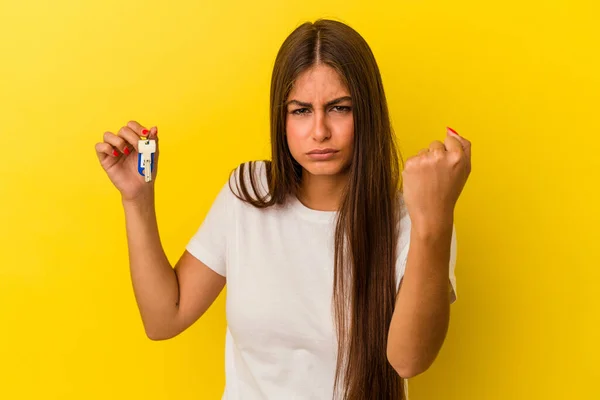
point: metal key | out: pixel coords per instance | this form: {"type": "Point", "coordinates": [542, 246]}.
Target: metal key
{"type": "Point", "coordinates": [146, 150]}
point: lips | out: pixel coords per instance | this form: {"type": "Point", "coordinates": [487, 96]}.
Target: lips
{"type": "Point", "coordinates": [322, 154]}
{"type": "Point", "coordinates": [322, 151]}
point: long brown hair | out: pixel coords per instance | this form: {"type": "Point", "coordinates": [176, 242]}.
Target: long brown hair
{"type": "Point", "coordinates": [364, 289]}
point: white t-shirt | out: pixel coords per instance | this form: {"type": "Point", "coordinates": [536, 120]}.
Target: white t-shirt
{"type": "Point", "coordinates": [278, 261]}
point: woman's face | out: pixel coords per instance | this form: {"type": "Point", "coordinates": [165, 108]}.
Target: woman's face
{"type": "Point", "coordinates": [319, 122]}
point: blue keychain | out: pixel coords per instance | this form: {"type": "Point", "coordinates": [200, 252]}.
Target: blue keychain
{"type": "Point", "coordinates": [146, 150]}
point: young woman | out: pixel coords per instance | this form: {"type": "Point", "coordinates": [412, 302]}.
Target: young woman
{"type": "Point", "coordinates": [339, 277]}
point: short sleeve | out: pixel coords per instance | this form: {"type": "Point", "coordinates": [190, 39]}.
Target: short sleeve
{"type": "Point", "coordinates": [402, 254]}
{"type": "Point", "coordinates": [209, 243]}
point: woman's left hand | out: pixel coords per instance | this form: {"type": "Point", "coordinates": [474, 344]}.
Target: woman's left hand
{"type": "Point", "coordinates": [433, 180]}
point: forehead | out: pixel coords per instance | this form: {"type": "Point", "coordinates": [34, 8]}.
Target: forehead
{"type": "Point", "coordinates": [320, 83]}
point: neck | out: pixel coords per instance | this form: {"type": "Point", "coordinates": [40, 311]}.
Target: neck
{"type": "Point", "coordinates": [322, 193]}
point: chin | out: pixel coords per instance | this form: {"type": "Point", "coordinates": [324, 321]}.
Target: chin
{"type": "Point", "coordinates": [325, 168]}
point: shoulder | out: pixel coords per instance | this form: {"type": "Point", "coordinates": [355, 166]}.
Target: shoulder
{"type": "Point", "coordinates": [249, 180]}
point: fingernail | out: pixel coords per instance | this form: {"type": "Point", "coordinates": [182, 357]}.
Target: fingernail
{"type": "Point", "coordinates": [126, 151]}
{"type": "Point", "coordinates": [450, 130]}
{"type": "Point", "coordinates": [115, 153]}
{"type": "Point", "coordinates": [145, 132]}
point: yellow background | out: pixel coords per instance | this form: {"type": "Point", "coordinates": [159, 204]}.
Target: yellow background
{"type": "Point", "coordinates": [518, 78]}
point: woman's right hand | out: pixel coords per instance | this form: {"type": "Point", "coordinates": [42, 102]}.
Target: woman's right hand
{"type": "Point", "coordinates": [118, 155]}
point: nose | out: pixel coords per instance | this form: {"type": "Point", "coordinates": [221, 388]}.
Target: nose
{"type": "Point", "coordinates": [321, 131]}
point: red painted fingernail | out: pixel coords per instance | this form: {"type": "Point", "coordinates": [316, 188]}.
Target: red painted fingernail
{"type": "Point", "coordinates": [126, 151]}
{"type": "Point", "coordinates": [452, 131]}
{"type": "Point", "coordinates": [145, 132]}
{"type": "Point", "coordinates": [115, 153]}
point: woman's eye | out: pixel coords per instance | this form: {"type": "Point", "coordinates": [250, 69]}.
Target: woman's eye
{"type": "Point", "coordinates": [341, 109]}
{"type": "Point", "coordinates": [300, 111]}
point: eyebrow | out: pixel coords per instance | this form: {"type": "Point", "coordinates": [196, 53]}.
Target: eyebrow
{"type": "Point", "coordinates": [328, 104]}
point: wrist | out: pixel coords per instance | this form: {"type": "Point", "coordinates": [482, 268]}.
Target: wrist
{"type": "Point", "coordinates": [139, 202]}
{"type": "Point", "coordinates": [435, 241]}
{"type": "Point", "coordinates": [432, 229]}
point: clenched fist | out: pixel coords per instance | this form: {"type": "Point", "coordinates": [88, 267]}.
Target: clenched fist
{"type": "Point", "coordinates": [433, 180]}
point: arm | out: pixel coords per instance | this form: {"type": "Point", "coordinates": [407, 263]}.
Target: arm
{"type": "Point", "coordinates": [169, 300]}
{"type": "Point", "coordinates": [422, 312]}
{"type": "Point", "coordinates": [433, 181]}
